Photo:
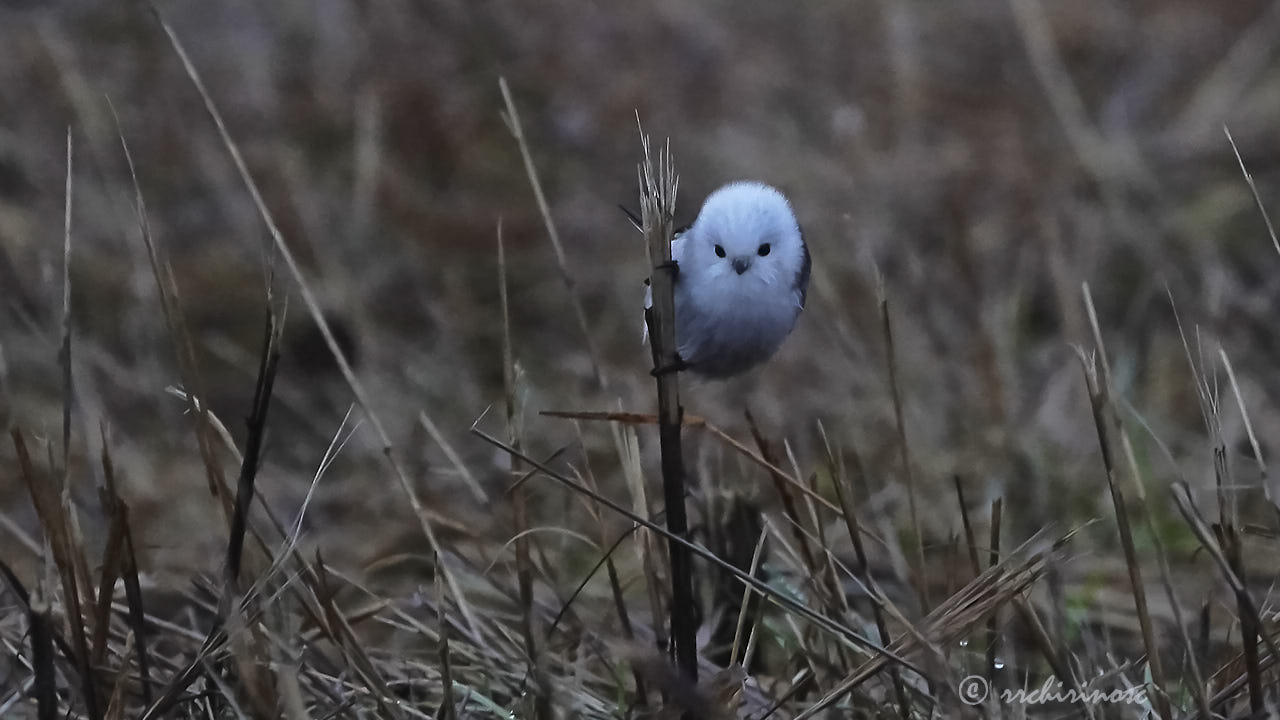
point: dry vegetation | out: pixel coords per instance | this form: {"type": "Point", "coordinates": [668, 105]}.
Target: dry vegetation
{"type": "Point", "coordinates": [314, 267]}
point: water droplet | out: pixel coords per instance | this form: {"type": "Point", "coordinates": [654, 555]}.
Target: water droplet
{"type": "Point", "coordinates": [999, 664]}
{"type": "Point", "coordinates": [964, 643]}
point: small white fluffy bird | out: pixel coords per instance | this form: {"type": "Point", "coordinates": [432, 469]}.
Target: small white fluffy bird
{"type": "Point", "coordinates": [742, 275]}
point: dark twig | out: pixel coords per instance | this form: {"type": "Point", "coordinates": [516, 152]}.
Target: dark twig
{"type": "Point", "coordinates": [257, 423]}
{"type": "Point", "coordinates": [993, 559]}
{"type": "Point", "coordinates": [657, 210]}
{"type": "Point", "coordinates": [46, 688]}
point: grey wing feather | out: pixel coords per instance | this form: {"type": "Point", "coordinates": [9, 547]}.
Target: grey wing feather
{"type": "Point", "coordinates": [802, 280]}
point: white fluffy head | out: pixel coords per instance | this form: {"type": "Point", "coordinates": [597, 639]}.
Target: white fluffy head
{"type": "Point", "coordinates": [745, 235]}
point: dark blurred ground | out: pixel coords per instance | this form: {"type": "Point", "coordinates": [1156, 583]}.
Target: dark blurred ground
{"type": "Point", "coordinates": [983, 158]}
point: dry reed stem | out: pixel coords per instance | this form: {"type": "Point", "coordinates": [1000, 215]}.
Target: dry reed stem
{"type": "Point", "coordinates": [1098, 399]}
{"type": "Point", "coordinates": [658, 187]}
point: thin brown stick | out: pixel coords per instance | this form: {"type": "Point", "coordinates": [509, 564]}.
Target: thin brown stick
{"type": "Point", "coordinates": [257, 429]}
{"type": "Point", "coordinates": [1250, 620]}
{"type": "Point", "coordinates": [993, 559]}
{"type": "Point", "coordinates": [1257, 199]}
{"type": "Point", "coordinates": [1098, 401]}
{"type": "Point", "coordinates": [46, 686]}
{"type": "Point", "coordinates": [788, 502]}
{"type": "Point", "coordinates": [56, 524]}
{"type": "Point", "coordinates": [512, 119]}
{"type": "Point", "coordinates": [845, 495]}
{"type": "Point", "coordinates": [922, 585]}
{"type": "Point", "coordinates": [659, 185]}
{"type": "Point", "coordinates": [518, 495]}
{"type": "Point", "coordinates": [447, 705]}
{"type": "Point", "coordinates": [129, 571]}
{"type": "Point", "coordinates": [184, 348]}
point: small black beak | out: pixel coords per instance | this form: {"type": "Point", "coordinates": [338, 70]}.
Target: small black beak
{"type": "Point", "coordinates": [741, 264]}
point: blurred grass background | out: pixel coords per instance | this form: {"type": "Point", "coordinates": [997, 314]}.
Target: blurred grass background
{"type": "Point", "coordinates": [978, 160]}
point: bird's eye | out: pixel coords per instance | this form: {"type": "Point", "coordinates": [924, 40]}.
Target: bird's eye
{"type": "Point", "coordinates": [764, 250]}
{"type": "Point", "coordinates": [719, 251]}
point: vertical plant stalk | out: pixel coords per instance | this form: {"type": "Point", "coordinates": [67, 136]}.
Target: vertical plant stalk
{"type": "Point", "coordinates": [993, 637]}
{"type": "Point", "coordinates": [519, 499]}
{"type": "Point", "coordinates": [45, 688]}
{"type": "Point", "coordinates": [658, 187]}
{"type": "Point", "coordinates": [863, 568]}
{"type": "Point", "coordinates": [922, 585]}
{"type": "Point", "coordinates": [1098, 399]}
{"type": "Point", "coordinates": [512, 118]}
{"type": "Point", "coordinates": [257, 423]}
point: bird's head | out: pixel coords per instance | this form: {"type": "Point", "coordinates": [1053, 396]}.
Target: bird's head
{"type": "Point", "coordinates": [746, 233]}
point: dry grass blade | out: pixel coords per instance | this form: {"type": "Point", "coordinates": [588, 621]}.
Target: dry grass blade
{"type": "Point", "coordinates": [448, 709]}
{"type": "Point", "coordinates": [519, 499]}
{"type": "Point", "coordinates": [1104, 408]}
{"type": "Point", "coordinates": [845, 495]}
{"type": "Point", "coordinates": [971, 541]}
{"type": "Point", "coordinates": [25, 600]}
{"type": "Point", "coordinates": [993, 638]}
{"type": "Point", "coordinates": [746, 596]}
{"type": "Point", "coordinates": [788, 502]}
{"type": "Point", "coordinates": [922, 586]}
{"type": "Point", "coordinates": [257, 423]}
{"type": "Point", "coordinates": [56, 522]}
{"type": "Point", "coordinates": [137, 613]}
{"type": "Point", "coordinates": [1251, 623]}
{"type": "Point", "coordinates": [625, 418]}
{"type": "Point", "coordinates": [1248, 426]}
{"type": "Point", "coordinates": [695, 421]}
{"type": "Point", "coordinates": [512, 119]}
{"type": "Point", "coordinates": [1098, 399]}
{"type": "Point", "coordinates": [454, 458]}
{"type": "Point", "coordinates": [116, 703]}
{"type": "Point", "coordinates": [322, 323]}
{"type": "Point", "coordinates": [178, 333]}
{"type": "Point", "coordinates": [1257, 199]}
{"type": "Point", "coordinates": [352, 649]}
{"type": "Point", "coordinates": [41, 633]}
{"type": "Point", "coordinates": [64, 356]}
{"type": "Point", "coordinates": [113, 559]}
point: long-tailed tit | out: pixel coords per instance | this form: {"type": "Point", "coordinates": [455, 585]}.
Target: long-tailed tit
{"type": "Point", "coordinates": [742, 274]}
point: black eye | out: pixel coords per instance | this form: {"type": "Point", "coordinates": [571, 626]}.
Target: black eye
{"type": "Point", "coordinates": [719, 251]}
{"type": "Point", "coordinates": [764, 250]}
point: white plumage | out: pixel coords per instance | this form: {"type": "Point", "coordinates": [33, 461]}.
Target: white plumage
{"type": "Point", "coordinates": [742, 278]}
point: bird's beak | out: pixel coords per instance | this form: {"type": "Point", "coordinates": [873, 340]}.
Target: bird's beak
{"type": "Point", "coordinates": [741, 264]}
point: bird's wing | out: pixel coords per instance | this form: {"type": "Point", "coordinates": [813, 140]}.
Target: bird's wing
{"type": "Point", "coordinates": [677, 249]}
{"type": "Point", "coordinates": [806, 265]}
{"type": "Point", "coordinates": [676, 246]}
